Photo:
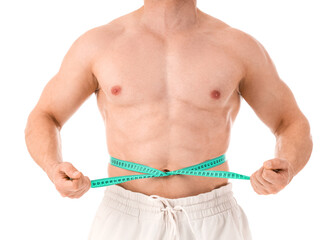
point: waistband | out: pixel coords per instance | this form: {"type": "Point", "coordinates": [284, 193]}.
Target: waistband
{"type": "Point", "coordinates": [141, 205]}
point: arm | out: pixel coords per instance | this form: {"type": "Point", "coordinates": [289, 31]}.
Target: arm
{"type": "Point", "coordinates": [61, 97]}
{"type": "Point", "coordinates": [275, 105]}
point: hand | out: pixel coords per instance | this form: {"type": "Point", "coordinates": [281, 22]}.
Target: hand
{"type": "Point", "coordinates": [272, 177]}
{"type": "Point", "coordinates": [69, 181]}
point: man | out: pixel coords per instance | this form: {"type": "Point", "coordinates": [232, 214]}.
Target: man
{"type": "Point", "coordinates": [168, 80]}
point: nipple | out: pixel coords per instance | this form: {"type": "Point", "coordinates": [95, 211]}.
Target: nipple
{"type": "Point", "coordinates": [215, 94]}
{"type": "Point", "coordinates": [116, 90]}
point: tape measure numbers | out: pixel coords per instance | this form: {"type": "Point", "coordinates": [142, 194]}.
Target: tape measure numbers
{"type": "Point", "coordinates": [195, 170]}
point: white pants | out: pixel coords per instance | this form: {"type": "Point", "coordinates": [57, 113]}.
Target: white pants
{"type": "Point", "coordinates": [124, 214]}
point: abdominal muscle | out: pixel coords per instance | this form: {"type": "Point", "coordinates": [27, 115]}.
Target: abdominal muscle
{"type": "Point", "coordinates": [175, 186]}
{"type": "Point", "coordinates": [147, 136]}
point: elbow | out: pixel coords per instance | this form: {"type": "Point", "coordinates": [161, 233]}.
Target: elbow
{"type": "Point", "coordinates": [300, 125]}
{"type": "Point", "coordinates": [297, 133]}
{"type": "Point", "coordinates": [306, 128]}
{"type": "Point", "coordinates": [36, 119]}
{"type": "Point", "coordinates": [28, 126]}
{"type": "Point", "coordinates": [305, 133]}
{"type": "Point", "coordinates": [309, 135]}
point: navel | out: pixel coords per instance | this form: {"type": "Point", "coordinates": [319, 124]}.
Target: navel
{"type": "Point", "coordinates": [215, 94]}
{"type": "Point", "coordinates": [115, 90]}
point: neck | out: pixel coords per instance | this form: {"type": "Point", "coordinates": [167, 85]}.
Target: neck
{"type": "Point", "coordinates": [165, 16]}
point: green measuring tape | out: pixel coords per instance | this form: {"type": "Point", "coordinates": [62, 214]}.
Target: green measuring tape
{"type": "Point", "coordinates": [195, 170]}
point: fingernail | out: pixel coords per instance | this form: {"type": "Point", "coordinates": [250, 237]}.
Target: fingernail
{"type": "Point", "coordinates": [75, 173]}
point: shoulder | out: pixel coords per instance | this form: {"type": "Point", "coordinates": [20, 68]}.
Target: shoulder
{"type": "Point", "coordinates": [251, 51]}
{"type": "Point", "coordinates": [241, 42]}
{"type": "Point", "coordinates": [252, 55]}
{"type": "Point", "coordinates": [92, 43]}
{"type": "Point", "coordinates": [96, 37]}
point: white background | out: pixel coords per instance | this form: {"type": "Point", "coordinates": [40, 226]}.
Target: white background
{"type": "Point", "coordinates": [35, 35]}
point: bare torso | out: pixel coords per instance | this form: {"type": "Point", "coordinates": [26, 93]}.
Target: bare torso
{"type": "Point", "coordinates": [168, 102]}
{"type": "Point", "coordinates": [168, 80]}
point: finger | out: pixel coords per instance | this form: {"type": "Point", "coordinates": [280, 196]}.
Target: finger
{"type": "Point", "coordinates": [257, 186]}
{"type": "Point", "coordinates": [75, 184]}
{"type": "Point", "coordinates": [81, 191]}
{"type": "Point", "coordinates": [70, 171]}
{"type": "Point", "coordinates": [270, 176]}
{"type": "Point", "coordinates": [260, 187]}
{"type": "Point", "coordinates": [84, 183]}
{"type": "Point", "coordinates": [76, 194]}
{"type": "Point", "coordinates": [276, 163]}
{"type": "Point", "coordinates": [261, 180]}
{"type": "Point", "coordinates": [87, 185]}
{"type": "Point", "coordinates": [88, 182]}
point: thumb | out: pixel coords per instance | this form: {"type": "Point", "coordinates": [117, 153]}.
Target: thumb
{"type": "Point", "coordinates": [275, 163]}
{"type": "Point", "coordinates": [71, 171]}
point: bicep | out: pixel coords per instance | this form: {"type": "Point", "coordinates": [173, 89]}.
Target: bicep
{"type": "Point", "coordinates": [264, 90]}
{"type": "Point", "coordinates": [72, 85]}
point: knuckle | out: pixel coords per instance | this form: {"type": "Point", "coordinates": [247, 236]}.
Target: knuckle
{"type": "Point", "coordinates": [267, 192]}
{"type": "Point", "coordinates": [63, 194]}
{"type": "Point", "coordinates": [275, 191]}
{"type": "Point", "coordinates": [62, 165]}
{"type": "Point", "coordinates": [87, 179]}
{"type": "Point", "coordinates": [276, 161]}
{"type": "Point", "coordinates": [67, 163]}
{"type": "Point", "coordinates": [252, 181]}
{"type": "Point", "coordinates": [76, 195]}
{"type": "Point", "coordinates": [88, 184]}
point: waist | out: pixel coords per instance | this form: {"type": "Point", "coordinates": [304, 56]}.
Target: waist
{"type": "Point", "coordinates": [171, 186]}
{"type": "Point", "coordinates": [201, 169]}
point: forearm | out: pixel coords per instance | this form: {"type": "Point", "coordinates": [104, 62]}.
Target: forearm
{"type": "Point", "coordinates": [42, 136]}
{"type": "Point", "coordinates": [294, 144]}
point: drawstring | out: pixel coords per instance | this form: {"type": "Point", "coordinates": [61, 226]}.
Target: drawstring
{"type": "Point", "coordinates": [171, 213]}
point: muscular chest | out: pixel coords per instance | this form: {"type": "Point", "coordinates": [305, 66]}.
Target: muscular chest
{"type": "Point", "coordinates": [197, 71]}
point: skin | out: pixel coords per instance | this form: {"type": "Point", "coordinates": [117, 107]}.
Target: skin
{"type": "Point", "coordinates": [169, 80]}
